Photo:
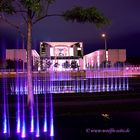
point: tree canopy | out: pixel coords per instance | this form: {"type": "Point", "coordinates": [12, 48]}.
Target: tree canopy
{"type": "Point", "coordinates": [7, 6]}
{"type": "Point", "coordinates": [39, 11]}
{"type": "Point", "coordinates": [82, 15]}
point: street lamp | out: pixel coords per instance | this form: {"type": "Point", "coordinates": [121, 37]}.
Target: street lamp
{"type": "Point", "coordinates": [106, 56]}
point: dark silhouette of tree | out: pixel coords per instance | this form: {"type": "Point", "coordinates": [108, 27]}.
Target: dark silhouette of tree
{"type": "Point", "coordinates": [56, 64]}
{"type": "Point", "coordinates": [74, 64]}
{"type": "Point", "coordinates": [14, 64]}
{"type": "Point", "coordinates": [10, 64]}
{"type": "Point", "coordinates": [66, 65]}
{"type": "Point", "coordinates": [48, 64]}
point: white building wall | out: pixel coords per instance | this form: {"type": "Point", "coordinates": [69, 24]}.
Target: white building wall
{"type": "Point", "coordinates": [35, 57]}
{"type": "Point", "coordinates": [61, 52]}
{"type": "Point", "coordinates": [96, 58]}
{"type": "Point", "coordinates": [117, 55]}
{"type": "Point", "coordinates": [122, 56]}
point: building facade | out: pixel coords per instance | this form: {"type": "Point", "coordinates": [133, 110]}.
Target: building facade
{"type": "Point", "coordinates": [61, 55]}
{"type": "Point", "coordinates": [20, 56]}
{"type": "Point", "coordinates": [97, 58]}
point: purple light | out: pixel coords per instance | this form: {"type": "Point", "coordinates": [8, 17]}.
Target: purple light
{"type": "Point", "coordinates": [52, 128]}
{"type": "Point", "coordinates": [37, 121]}
{"type": "Point", "coordinates": [90, 84]}
{"type": "Point", "coordinates": [82, 85]}
{"type": "Point", "coordinates": [17, 90]}
{"type": "Point", "coordinates": [5, 107]}
{"type": "Point", "coordinates": [37, 134]}
{"type": "Point", "coordinates": [32, 120]}
{"type": "Point", "coordinates": [51, 111]}
{"type": "Point", "coordinates": [112, 83]}
{"type": "Point", "coordinates": [18, 116]}
{"type": "Point", "coordinates": [103, 88]}
{"type": "Point", "coordinates": [45, 116]}
{"type": "Point", "coordinates": [99, 89]}
{"type": "Point", "coordinates": [18, 124]}
{"type": "Point", "coordinates": [51, 117]}
{"type": "Point", "coordinates": [107, 84]}
{"type": "Point", "coordinates": [116, 84]}
{"type": "Point", "coordinates": [127, 84]}
{"type": "Point", "coordinates": [23, 134]}
{"type": "Point", "coordinates": [5, 118]}
{"type": "Point", "coordinates": [123, 83]}
{"type": "Point", "coordinates": [45, 126]}
{"type": "Point", "coordinates": [5, 126]}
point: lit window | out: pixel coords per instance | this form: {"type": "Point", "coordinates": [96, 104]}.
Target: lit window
{"type": "Point", "coordinates": [51, 52]}
{"type": "Point", "coordinates": [98, 59]}
{"type": "Point", "coordinates": [71, 51]}
{"type": "Point", "coordinates": [78, 48]}
{"type": "Point", "coordinates": [107, 55]}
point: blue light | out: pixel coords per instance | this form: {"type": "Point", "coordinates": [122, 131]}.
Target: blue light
{"type": "Point", "coordinates": [111, 83]}
{"type": "Point", "coordinates": [45, 116]}
{"type": "Point", "coordinates": [18, 105]}
{"type": "Point", "coordinates": [51, 116]}
{"type": "Point", "coordinates": [45, 126]}
{"type": "Point", "coordinates": [23, 133]}
{"type": "Point", "coordinates": [99, 86]}
{"type": "Point", "coordinates": [5, 108]}
{"type": "Point", "coordinates": [123, 83]}
{"type": "Point", "coordinates": [37, 121]}
{"type": "Point", "coordinates": [5, 126]}
{"type": "Point", "coordinates": [107, 84]}
{"type": "Point", "coordinates": [52, 128]}
{"type": "Point", "coordinates": [116, 84]}
{"type": "Point", "coordinates": [127, 84]}
{"type": "Point", "coordinates": [119, 83]}
{"type": "Point", "coordinates": [32, 120]}
{"type": "Point", "coordinates": [18, 124]}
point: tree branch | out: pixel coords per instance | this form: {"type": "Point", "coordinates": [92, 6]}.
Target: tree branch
{"type": "Point", "coordinates": [20, 11]}
{"type": "Point", "coordinates": [52, 15]}
{"type": "Point", "coordinates": [46, 13]}
{"type": "Point", "coordinates": [33, 15]}
{"type": "Point", "coordinates": [24, 11]}
{"type": "Point", "coordinates": [13, 25]}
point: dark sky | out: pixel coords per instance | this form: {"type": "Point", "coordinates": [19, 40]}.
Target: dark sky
{"type": "Point", "coordinates": [124, 31]}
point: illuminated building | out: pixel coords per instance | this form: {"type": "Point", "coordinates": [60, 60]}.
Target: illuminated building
{"type": "Point", "coordinates": [97, 58]}
{"type": "Point", "coordinates": [21, 56]}
{"type": "Point", "coordinates": [61, 55]}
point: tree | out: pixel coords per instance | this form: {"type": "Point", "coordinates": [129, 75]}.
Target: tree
{"type": "Point", "coordinates": [66, 65]}
{"type": "Point", "coordinates": [74, 64]}
{"type": "Point", "coordinates": [10, 64]}
{"type": "Point", "coordinates": [33, 11]}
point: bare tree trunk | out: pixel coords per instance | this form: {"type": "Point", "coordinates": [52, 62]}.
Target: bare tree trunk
{"type": "Point", "coordinates": [29, 60]}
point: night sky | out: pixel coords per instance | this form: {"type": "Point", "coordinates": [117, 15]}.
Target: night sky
{"type": "Point", "coordinates": [124, 31]}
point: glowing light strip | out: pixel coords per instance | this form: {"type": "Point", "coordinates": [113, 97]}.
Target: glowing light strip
{"type": "Point", "coordinates": [18, 103]}
{"type": "Point", "coordinates": [51, 115]}
{"type": "Point", "coordinates": [5, 127]}
{"type": "Point", "coordinates": [32, 120]}
{"type": "Point", "coordinates": [23, 133]}
{"type": "Point", "coordinates": [45, 116]}
{"type": "Point", "coordinates": [23, 129]}
{"type": "Point", "coordinates": [37, 121]}
{"type": "Point", "coordinates": [18, 123]}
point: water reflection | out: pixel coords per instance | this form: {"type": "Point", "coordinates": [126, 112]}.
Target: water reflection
{"type": "Point", "coordinates": [105, 115]}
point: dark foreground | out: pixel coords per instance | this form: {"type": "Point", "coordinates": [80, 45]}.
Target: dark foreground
{"type": "Point", "coordinates": [84, 116]}
{"type": "Point", "coordinates": [87, 116]}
